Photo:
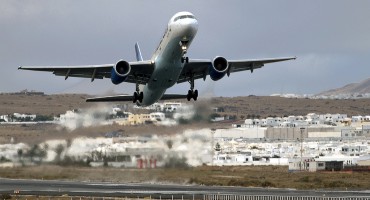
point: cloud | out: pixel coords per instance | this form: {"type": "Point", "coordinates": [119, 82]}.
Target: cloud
{"type": "Point", "coordinates": [96, 32]}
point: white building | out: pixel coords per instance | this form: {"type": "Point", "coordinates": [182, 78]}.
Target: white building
{"type": "Point", "coordinates": [157, 116]}
{"type": "Point", "coordinates": [359, 119]}
{"type": "Point", "coordinates": [311, 119]}
{"type": "Point", "coordinates": [115, 110]}
{"type": "Point", "coordinates": [4, 118]}
{"type": "Point", "coordinates": [24, 116]}
{"type": "Point", "coordinates": [171, 106]}
{"type": "Point", "coordinates": [253, 132]}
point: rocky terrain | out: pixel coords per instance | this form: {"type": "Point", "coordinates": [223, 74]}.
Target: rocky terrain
{"type": "Point", "coordinates": [362, 87]}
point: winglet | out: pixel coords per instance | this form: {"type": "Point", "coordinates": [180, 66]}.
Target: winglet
{"type": "Point", "coordinates": [138, 52]}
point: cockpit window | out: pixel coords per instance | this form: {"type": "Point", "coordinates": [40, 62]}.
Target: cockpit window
{"type": "Point", "coordinates": [184, 17]}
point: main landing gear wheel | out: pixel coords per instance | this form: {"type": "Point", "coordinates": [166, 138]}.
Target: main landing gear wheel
{"type": "Point", "coordinates": [192, 95]}
{"type": "Point", "coordinates": [138, 97]}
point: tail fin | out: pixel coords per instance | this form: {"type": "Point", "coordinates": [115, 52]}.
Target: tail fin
{"type": "Point", "coordinates": [138, 52]}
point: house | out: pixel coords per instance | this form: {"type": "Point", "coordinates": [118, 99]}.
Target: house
{"type": "Point", "coordinates": [4, 118]}
{"type": "Point", "coordinates": [157, 116]}
{"type": "Point", "coordinates": [21, 117]}
{"type": "Point", "coordinates": [171, 106]}
{"type": "Point", "coordinates": [363, 160]}
{"type": "Point", "coordinates": [356, 119]}
{"type": "Point", "coordinates": [138, 119]}
{"type": "Point", "coordinates": [313, 165]}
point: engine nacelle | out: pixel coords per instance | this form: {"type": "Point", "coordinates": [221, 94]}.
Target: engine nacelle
{"type": "Point", "coordinates": [218, 69]}
{"type": "Point", "coordinates": [120, 72]}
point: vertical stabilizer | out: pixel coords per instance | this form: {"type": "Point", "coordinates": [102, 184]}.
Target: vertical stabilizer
{"type": "Point", "coordinates": [138, 52]}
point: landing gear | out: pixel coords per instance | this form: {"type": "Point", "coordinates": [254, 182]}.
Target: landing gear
{"type": "Point", "coordinates": [185, 59]}
{"type": "Point", "coordinates": [138, 96]}
{"type": "Point", "coordinates": [184, 49]}
{"type": "Point", "coordinates": [192, 94]}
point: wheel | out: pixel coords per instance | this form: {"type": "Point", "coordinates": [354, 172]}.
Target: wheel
{"type": "Point", "coordinates": [141, 96]}
{"type": "Point", "coordinates": [195, 95]}
{"type": "Point", "coordinates": [135, 97]}
{"type": "Point", "coordinates": [182, 60]}
{"type": "Point", "coordinates": [187, 59]}
{"type": "Point", "coordinates": [189, 95]}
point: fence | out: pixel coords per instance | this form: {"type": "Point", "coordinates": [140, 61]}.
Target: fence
{"type": "Point", "coordinates": [269, 197]}
{"type": "Point", "coordinates": [188, 197]}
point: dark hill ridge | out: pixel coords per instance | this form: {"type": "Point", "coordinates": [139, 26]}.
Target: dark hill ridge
{"type": "Point", "coordinates": [262, 106]}
{"type": "Point", "coordinates": [353, 88]}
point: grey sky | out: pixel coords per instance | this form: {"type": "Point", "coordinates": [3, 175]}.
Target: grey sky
{"type": "Point", "coordinates": [330, 38]}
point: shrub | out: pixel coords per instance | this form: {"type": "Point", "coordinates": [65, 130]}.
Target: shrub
{"type": "Point", "coordinates": [176, 162]}
{"type": "Point", "coordinates": [267, 184]}
{"type": "Point", "coordinates": [305, 179]}
{"type": "Point", "coordinates": [5, 196]}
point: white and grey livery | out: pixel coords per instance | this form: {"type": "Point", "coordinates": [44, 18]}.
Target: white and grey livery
{"type": "Point", "coordinates": [168, 66]}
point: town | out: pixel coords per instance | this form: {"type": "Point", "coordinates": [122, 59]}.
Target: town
{"type": "Point", "coordinates": [312, 142]}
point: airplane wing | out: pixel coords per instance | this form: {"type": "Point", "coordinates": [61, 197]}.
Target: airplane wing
{"type": "Point", "coordinates": [200, 68]}
{"type": "Point", "coordinates": [131, 98]}
{"type": "Point", "coordinates": [142, 70]}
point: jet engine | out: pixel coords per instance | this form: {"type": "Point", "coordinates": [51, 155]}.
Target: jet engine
{"type": "Point", "coordinates": [218, 68]}
{"type": "Point", "coordinates": [120, 72]}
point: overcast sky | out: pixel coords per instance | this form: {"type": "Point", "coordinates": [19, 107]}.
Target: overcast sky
{"type": "Point", "coordinates": [330, 38]}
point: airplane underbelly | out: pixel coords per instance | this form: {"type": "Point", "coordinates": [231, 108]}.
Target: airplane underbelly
{"type": "Point", "coordinates": [165, 75]}
{"type": "Point", "coordinates": [152, 96]}
{"type": "Point", "coordinates": [167, 70]}
{"type": "Point", "coordinates": [168, 65]}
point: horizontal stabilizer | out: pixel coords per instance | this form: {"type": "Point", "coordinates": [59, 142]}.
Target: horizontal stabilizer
{"type": "Point", "coordinates": [130, 98]}
{"type": "Point", "coordinates": [111, 98]}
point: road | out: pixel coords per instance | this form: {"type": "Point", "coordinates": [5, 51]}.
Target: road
{"type": "Point", "coordinates": [98, 189]}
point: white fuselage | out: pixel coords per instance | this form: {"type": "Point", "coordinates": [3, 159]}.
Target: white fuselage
{"type": "Point", "coordinates": [167, 57]}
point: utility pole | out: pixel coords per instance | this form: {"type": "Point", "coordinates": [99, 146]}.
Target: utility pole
{"type": "Point", "coordinates": [302, 129]}
{"type": "Point", "coordinates": [213, 130]}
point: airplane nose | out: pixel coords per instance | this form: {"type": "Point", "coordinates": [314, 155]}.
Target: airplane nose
{"type": "Point", "coordinates": [191, 26]}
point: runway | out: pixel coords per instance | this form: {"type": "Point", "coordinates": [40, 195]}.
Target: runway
{"type": "Point", "coordinates": [99, 189]}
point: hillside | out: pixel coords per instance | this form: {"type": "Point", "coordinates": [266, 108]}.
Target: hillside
{"type": "Point", "coordinates": [262, 106]}
{"type": "Point", "coordinates": [265, 106]}
{"type": "Point", "coordinates": [41, 104]}
{"type": "Point", "coordinates": [353, 88]}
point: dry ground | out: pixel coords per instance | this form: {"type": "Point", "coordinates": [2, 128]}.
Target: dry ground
{"type": "Point", "coordinates": [41, 104]}
{"type": "Point", "coordinates": [34, 134]}
{"type": "Point", "coordinates": [258, 176]}
{"type": "Point", "coordinates": [242, 107]}
{"type": "Point", "coordinates": [249, 105]}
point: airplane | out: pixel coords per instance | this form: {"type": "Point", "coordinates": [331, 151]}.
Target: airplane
{"type": "Point", "coordinates": [168, 65]}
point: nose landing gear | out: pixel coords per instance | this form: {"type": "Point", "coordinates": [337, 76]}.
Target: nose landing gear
{"type": "Point", "coordinates": [184, 49]}
{"type": "Point", "coordinates": [185, 59]}
{"type": "Point", "coordinates": [138, 96]}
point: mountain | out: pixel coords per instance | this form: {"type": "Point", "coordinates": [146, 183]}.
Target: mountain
{"type": "Point", "coordinates": [362, 87]}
